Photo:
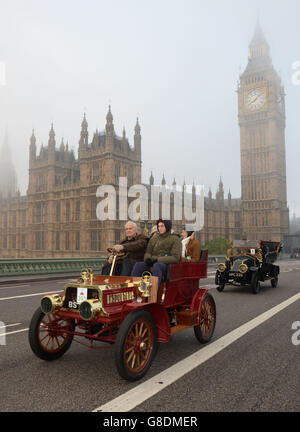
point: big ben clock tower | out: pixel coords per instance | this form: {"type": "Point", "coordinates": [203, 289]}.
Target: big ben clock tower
{"type": "Point", "coordinates": [261, 103]}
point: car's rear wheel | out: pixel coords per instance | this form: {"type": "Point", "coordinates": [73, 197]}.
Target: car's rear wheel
{"type": "Point", "coordinates": [47, 338]}
{"type": "Point", "coordinates": [274, 282]}
{"type": "Point", "coordinates": [255, 285]}
{"type": "Point", "coordinates": [136, 345]}
{"type": "Point", "coordinates": [205, 330]}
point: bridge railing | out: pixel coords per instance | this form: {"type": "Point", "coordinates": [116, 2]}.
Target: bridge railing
{"type": "Point", "coordinates": [19, 267]}
{"type": "Point", "coordinates": [15, 267]}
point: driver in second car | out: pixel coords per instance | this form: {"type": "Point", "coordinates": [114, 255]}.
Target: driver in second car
{"type": "Point", "coordinates": [162, 249]}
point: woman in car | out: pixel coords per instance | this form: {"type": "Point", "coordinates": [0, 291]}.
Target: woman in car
{"type": "Point", "coordinates": [191, 249]}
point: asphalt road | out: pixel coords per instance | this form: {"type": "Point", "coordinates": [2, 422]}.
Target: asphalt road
{"type": "Point", "coordinates": [258, 372]}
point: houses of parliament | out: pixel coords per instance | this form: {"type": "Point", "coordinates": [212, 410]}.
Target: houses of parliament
{"type": "Point", "coordinates": [57, 217]}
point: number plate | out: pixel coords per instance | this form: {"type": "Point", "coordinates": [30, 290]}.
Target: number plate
{"type": "Point", "coordinates": [232, 275]}
{"type": "Point", "coordinates": [81, 294]}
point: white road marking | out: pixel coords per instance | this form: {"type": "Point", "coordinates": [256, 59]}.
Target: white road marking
{"type": "Point", "coordinates": [13, 286]}
{"type": "Point", "coordinates": [147, 389]}
{"type": "Point", "coordinates": [17, 331]}
{"type": "Point", "coordinates": [208, 286]}
{"type": "Point", "coordinates": [10, 325]}
{"type": "Point", "coordinates": [30, 295]}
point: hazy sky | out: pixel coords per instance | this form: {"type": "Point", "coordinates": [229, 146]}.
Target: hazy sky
{"type": "Point", "coordinates": [173, 63]}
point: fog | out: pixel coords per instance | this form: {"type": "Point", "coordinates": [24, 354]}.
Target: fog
{"type": "Point", "coordinates": [174, 64]}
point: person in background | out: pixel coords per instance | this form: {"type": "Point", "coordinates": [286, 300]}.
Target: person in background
{"type": "Point", "coordinates": [163, 248]}
{"type": "Point", "coordinates": [153, 231]}
{"type": "Point", "coordinates": [191, 248]}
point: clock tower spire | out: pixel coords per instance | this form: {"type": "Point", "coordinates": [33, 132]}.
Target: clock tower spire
{"type": "Point", "coordinates": [261, 107]}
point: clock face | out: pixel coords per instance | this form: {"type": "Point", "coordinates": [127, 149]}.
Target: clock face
{"type": "Point", "coordinates": [255, 99]}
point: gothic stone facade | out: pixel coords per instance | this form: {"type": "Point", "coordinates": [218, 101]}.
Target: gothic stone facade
{"type": "Point", "coordinates": [57, 217]}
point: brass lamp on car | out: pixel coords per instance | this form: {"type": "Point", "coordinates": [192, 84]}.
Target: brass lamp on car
{"type": "Point", "coordinates": [243, 268]}
{"type": "Point", "coordinates": [145, 285]}
{"type": "Point", "coordinates": [50, 302]}
{"type": "Point", "coordinates": [89, 308]}
{"type": "Point", "coordinates": [221, 267]}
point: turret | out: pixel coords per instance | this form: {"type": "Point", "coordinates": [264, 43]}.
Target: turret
{"type": "Point", "coordinates": [151, 179]}
{"type": "Point", "coordinates": [137, 140]}
{"type": "Point", "coordinates": [84, 136]}
{"type": "Point", "coordinates": [51, 145]}
{"type": "Point", "coordinates": [32, 149]}
{"type": "Point", "coordinates": [229, 198]}
{"type": "Point", "coordinates": [109, 129]}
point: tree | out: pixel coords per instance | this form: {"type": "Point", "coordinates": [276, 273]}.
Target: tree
{"type": "Point", "coordinates": [218, 246]}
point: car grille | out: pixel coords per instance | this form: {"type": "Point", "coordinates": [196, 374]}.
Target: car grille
{"type": "Point", "coordinates": [71, 296]}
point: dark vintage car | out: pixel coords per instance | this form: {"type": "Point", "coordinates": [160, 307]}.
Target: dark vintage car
{"type": "Point", "coordinates": [249, 264]}
{"type": "Point", "coordinates": [128, 313]}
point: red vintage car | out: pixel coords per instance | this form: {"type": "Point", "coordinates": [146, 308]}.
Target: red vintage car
{"type": "Point", "coordinates": [132, 313]}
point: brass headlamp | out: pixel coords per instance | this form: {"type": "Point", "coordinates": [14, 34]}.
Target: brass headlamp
{"type": "Point", "coordinates": [89, 308]}
{"type": "Point", "coordinates": [50, 302]}
{"type": "Point", "coordinates": [221, 267]}
{"type": "Point", "coordinates": [243, 268]}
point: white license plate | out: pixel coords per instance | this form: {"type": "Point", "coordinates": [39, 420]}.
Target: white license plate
{"type": "Point", "coordinates": [235, 275]}
{"type": "Point", "coordinates": [81, 294]}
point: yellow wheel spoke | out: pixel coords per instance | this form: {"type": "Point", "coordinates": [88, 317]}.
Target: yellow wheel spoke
{"type": "Point", "coordinates": [133, 361]}
{"type": "Point", "coordinates": [145, 331]}
{"type": "Point", "coordinates": [141, 328]}
{"type": "Point", "coordinates": [129, 349]}
{"type": "Point", "coordinates": [128, 360]}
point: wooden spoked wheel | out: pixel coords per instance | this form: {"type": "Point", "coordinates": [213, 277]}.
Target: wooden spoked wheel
{"type": "Point", "coordinates": [136, 345]}
{"type": "Point", "coordinates": [205, 330]}
{"type": "Point", "coordinates": [50, 335]}
{"type": "Point", "coordinates": [47, 337]}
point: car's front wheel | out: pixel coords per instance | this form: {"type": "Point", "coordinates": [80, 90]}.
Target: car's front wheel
{"type": "Point", "coordinates": [219, 282]}
{"type": "Point", "coordinates": [255, 285]}
{"type": "Point", "coordinates": [48, 335]}
{"type": "Point", "coordinates": [274, 282]}
{"type": "Point", "coordinates": [221, 287]}
{"type": "Point", "coordinates": [136, 345]}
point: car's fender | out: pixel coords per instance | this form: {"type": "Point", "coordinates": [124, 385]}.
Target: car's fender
{"type": "Point", "coordinates": [159, 314]}
{"type": "Point", "coordinates": [197, 301]}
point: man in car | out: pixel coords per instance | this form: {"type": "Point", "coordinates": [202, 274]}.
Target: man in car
{"type": "Point", "coordinates": [133, 246]}
{"type": "Point", "coordinates": [163, 249]}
